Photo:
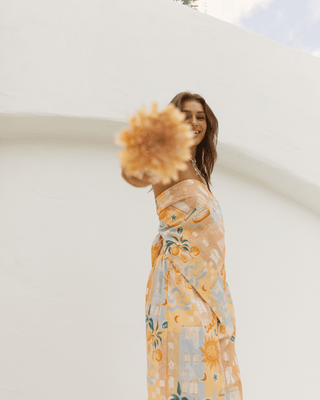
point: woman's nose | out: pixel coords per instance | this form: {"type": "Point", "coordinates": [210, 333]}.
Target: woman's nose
{"type": "Point", "coordinates": [194, 122]}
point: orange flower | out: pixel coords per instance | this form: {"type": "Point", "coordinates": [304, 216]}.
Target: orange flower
{"type": "Point", "coordinates": [158, 143]}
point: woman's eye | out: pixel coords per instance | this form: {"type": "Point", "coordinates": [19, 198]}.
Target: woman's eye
{"type": "Point", "coordinates": [198, 117]}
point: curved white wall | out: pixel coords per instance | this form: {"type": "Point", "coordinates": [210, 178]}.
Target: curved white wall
{"type": "Point", "coordinates": [75, 237]}
{"type": "Point", "coordinates": [103, 60]}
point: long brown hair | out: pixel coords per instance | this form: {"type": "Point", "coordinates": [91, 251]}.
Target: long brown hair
{"type": "Point", "coordinates": [206, 151]}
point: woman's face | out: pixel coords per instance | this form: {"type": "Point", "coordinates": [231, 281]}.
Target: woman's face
{"type": "Point", "coordinates": [195, 116]}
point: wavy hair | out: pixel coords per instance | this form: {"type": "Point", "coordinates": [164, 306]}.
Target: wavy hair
{"type": "Point", "coordinates": [206, 151]}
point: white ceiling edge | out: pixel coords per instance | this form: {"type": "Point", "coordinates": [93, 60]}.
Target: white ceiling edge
{"type": "Point", "coordinates": [233, 156]}
{"type": "Point", "coordinates": [271, 174]}
{"type": "Point", "coordinates": [55, 126]}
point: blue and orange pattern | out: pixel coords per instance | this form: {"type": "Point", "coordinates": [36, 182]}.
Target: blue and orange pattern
{"type": "Point", "coordinates": [190, 319]}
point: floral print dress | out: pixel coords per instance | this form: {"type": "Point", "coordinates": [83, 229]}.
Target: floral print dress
{"type": "Point", "coordinates": [190, 319]}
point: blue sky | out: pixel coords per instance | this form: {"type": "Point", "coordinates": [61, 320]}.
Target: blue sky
{"type": "Point", "coordinates": [295, 23]}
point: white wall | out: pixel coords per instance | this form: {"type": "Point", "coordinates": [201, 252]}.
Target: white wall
{"type": "Point", "coordinates": [75, 238]}
{"type": "Point", "coordinates": [103, 59]}
{"type": "Point", "coordinates": [75, 258]}
{"type": "Point", "coordinates": [272, 261]}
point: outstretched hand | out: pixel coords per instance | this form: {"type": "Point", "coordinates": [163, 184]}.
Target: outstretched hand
{"type": "Point", "coordinates": [146, 180]}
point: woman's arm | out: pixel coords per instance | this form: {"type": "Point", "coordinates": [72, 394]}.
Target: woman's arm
{"type": "Point", "coordinates": [145, 181]}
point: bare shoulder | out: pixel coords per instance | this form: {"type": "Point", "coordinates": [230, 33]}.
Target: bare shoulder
{"type": "Point", "coordinates": [183, 175]}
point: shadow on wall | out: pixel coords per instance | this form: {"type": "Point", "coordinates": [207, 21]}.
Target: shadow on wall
{"type": "Point", "coordinates": [230, 155]}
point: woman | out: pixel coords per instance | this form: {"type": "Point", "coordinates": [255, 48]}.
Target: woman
{"type": "Point", "coordinates": [190, 320]}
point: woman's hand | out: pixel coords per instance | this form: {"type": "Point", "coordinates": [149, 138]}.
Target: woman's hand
{"type": "Point", "coordinates": [146, 180]}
